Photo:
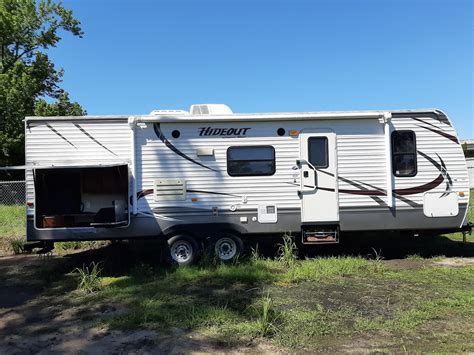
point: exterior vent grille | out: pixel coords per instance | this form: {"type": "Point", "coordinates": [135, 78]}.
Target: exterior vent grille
{"type": "Point", "coordinates": [166, 190]}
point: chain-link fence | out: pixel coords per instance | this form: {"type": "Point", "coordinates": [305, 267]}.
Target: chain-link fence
{"type": "Point", "coordinates": [12, 209]}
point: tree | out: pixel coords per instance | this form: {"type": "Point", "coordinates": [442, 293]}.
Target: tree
{"type": "Point", "coordinates": [62, 107]}
{"type": "Point", "coordinates": [27, 76]}
{"type": "Point", "coordinates": [468, 153]}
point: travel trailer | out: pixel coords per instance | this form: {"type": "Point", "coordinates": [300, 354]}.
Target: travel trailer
{"type": "Point", "coordinates": [213, 176]}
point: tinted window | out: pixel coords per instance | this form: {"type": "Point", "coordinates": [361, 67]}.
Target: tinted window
{"type": "Point", "coordinates": [404, 153]}
{"type": "Point", "coordinates": [318, 152]}
{"type": "Point", "coordinates": [251, 161]}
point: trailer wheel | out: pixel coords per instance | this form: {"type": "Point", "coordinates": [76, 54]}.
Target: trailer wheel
{"type": "Point", "coordinates": [183, 250]}
{"type": "Point", "coordinates": [227, 248]}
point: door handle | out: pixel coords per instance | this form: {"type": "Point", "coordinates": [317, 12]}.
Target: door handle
{"type": "Point", "coordinates": [306, 174]}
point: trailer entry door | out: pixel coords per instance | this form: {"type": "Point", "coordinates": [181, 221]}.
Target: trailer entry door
{"type": "Point", "coordinates": [319, 192]}
{"type": "Point", "coordinates": [72, 197]}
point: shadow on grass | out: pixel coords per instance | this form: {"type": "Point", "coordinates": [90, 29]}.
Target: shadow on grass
{"type": "Point", "coordinates": [157, 296]}
{"type": "Point", "coordinates": [122, 258]}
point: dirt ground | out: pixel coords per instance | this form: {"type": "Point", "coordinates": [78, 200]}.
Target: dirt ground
{"type": "Point", "coordinates": [37, 318]}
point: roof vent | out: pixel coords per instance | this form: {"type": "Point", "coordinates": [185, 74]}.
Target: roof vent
{"type": "Point", "coordinates": [169, 112]}
{"type": "Point", "coordinates": [210, 109]}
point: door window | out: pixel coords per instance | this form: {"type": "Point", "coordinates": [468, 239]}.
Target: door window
{"type": "Point", "coordinates": [318, 152]}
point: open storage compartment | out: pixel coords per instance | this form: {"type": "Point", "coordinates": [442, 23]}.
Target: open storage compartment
{"type": "Point", "coordinates": [69, 197]}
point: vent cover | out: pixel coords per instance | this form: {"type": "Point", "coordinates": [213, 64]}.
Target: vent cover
{"type": "Point", "coordinates": [166, 190]}
{"type": "Point", "coordinates": [210, 109]}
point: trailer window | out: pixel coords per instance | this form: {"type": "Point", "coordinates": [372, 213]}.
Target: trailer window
{"type": "Point", "coordinates": [251, 161]}
{"type": "Point", "coordinates": [404, 162]}
{"type": "Point", "coordinates": [318, 152]}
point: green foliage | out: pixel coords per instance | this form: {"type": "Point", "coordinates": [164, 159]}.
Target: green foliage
{"type": "Point", "coordinates": [63, 107]}
{"type": "Point", "coordinates": [305, 307]}
{"type": "Point", "coordinates": [208, 258]}
{"type": "Point", "coordinates": [89, 278]}
{"type": "Point", "coordinates": [287, 251]}
{"type": "Point", "coordinates": [414, 257]}
{"type": "Point", "coordinates": [255, 254]}
{"type": "Point", "coordinates": [27, 29]}
{"type": "Point", "coordinates": [17, 245]}
{"type": "Point", "coordinates": [327, 268]}
{"type": "Point", "coordinates": [376, 264]}
{"type": "Point", "coordinates": [267, 321]}
{"type": "Point", "coordinates": [467, 153]}
{"type": "Point", "coordinates": [77, 245]}
{"type": "Point", "coordinates": [12, 221]}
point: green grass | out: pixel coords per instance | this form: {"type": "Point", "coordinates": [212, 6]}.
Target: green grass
{"type": "Point", "coordinates": [305, 306]}
{"type": "Point", "coordinates": [12, 228]}
{"type": "Point", "coordinates": [61, 247]}
{"type": "Point", "coordinates": [12, 221]}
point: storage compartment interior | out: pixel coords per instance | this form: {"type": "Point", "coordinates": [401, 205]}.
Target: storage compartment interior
{"type": "Point", "coordinates": [81, 197]}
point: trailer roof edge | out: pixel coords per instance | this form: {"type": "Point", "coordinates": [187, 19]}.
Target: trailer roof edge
{"type": "Point", "coordinates": [276, 116]}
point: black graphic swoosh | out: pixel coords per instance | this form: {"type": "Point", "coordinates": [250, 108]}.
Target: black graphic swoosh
{"type": "Point", "coordinates": [93, 139]}
{"type": "Point", "coordinates": [60, 135]}
{"type": "Point", "coordinates": [161, 136]}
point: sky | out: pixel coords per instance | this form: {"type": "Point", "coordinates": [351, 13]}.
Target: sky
{"type": "Point", "coordinates": [272, 56]}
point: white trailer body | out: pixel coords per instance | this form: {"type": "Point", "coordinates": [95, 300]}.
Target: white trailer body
{"type": "Point", "coordinates": [112, 177]}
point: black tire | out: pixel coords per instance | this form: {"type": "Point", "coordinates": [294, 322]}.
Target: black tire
{"type": "Point", "coordinates": [183, 250]}
{"type": "Point", "coordinates": [227, 247]}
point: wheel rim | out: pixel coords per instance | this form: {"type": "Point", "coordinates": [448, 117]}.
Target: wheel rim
{"type": "Point", "coordinates": [226, 248]}
{"type": "Point", "coordinates": [181, 251]}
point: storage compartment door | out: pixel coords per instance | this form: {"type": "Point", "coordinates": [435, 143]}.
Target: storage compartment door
{"type": "Point", "coordinates": [439, 204]}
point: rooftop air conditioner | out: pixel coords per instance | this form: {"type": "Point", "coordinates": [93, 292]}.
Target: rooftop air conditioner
{"type": "Point", "coordinates": [210, 109]}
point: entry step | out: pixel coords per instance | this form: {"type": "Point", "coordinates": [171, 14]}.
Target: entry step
{"type": "Point", "coordinates": [320, 234]}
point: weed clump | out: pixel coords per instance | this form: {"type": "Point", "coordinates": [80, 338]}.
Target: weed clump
{"type": "Point", "coordinates": [377, 261]}
{"type": "Point", "coordinates": [268, 318]}
{"type": "Point", "coordinates": [89, 278]}
{"type": "Point", "coordinates": [17, 246]}
{"type": "Point", "coordinates": [287, 251]}
{"type": "Point", "coordinates": [255, 254]}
